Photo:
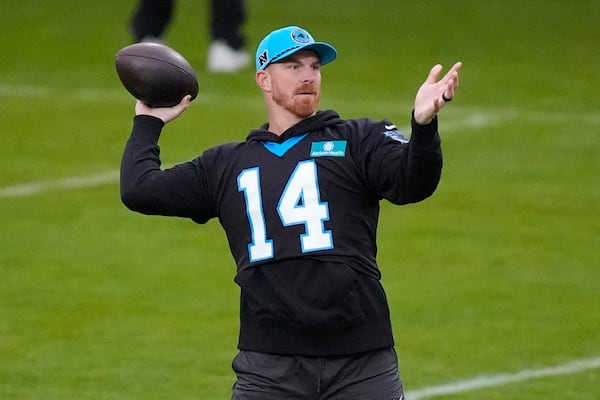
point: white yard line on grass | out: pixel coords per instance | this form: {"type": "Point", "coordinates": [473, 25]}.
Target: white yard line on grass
{"type": "Point", "coordinates": [467, 119]}
{"type": "Point", "coordinates": [488, 381]}
{"type": "Point", "coordinates": [103, 178]}
{"type": "Point", "coordinates": [75, 182]}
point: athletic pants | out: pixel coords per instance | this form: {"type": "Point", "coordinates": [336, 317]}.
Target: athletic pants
{"type": "Point", "coordinates": [368, 376]}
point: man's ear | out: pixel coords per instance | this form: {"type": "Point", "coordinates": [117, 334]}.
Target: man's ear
{"type": "Point", "coordinates": [263, 80]}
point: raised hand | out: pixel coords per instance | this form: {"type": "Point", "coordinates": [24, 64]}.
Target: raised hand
{"type": "Point", "coordinates": [433, 94]}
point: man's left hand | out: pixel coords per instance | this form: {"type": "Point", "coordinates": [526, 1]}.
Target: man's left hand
{"type": "Point", "coordinates": [433, 94]}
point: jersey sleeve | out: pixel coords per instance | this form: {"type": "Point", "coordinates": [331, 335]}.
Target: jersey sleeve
{"type": "Point", "coordinates": [179, 191]}
{"type": "Point", "coordinates": [399, 170]}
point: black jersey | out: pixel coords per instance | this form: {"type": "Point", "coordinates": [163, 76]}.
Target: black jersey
{"type": "Point", "coordinates": [300, 213]}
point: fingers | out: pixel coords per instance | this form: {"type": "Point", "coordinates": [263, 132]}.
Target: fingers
{"type": "Point", "coordinates": [453, 73]}
{"type": "Point", "coordinates": [184, 104]}
{"type": "Point", "coordinates": [434, 73]}
{"type": "Point", "coordinates": [448, 94]}
{"type": "Point", "coordinates": [166, 114]}
{"type": "Point", "coordinates": [456, 67]}
{"type": "Point", "coordinates": [170, 113]}
{"type": "Point", "coordinates": [434, 93]}
{"type": "Point", "coordinates": [450, 82]}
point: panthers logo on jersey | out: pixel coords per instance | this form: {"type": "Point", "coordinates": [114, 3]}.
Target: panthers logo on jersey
{"type": "Point", "coordinates": [392, 131]}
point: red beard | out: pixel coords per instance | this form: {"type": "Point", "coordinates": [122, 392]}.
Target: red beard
{"type": "Point", "coordinates": [303, 103]}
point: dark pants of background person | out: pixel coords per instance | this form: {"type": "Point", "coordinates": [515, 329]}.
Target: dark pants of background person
{"type": "Point", "coordinates": [151, 18]}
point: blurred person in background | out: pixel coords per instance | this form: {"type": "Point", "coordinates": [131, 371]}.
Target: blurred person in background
{"type": "Point", "coordinates": [227, 50]}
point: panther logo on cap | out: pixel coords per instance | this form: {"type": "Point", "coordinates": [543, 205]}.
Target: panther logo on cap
{"type": "Point", "coordinates": [300, 36]}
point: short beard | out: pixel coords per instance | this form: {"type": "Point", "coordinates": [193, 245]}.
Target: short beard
{"type": "Point", "coordinates": [303, 108]}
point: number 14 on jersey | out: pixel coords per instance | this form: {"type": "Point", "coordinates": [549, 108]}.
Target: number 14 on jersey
{"type": "Point", "coordinates": [299, 204]}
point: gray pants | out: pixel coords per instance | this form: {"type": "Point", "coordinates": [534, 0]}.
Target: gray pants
{"type": "Point", "coordinates": [368, 376]}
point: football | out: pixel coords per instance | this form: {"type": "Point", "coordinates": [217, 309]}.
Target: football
{"type": "Point", "coordinates": [156, 74]}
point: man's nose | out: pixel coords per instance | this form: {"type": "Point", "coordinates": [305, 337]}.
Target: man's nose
{"type": "Point", "coordinates": [309, 75]}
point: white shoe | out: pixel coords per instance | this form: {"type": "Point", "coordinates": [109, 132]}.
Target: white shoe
{"type": "Point", "coordinates": [223, 58]}
{"type": "Point", "coordinates": [152, 39]}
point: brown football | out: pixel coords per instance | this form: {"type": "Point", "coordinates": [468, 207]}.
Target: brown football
{"type": "Point", "coordinates": [156, 74]}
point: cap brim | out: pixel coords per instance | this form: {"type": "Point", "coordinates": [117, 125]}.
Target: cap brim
{"type": "Point", "coordinates": [326, 52]}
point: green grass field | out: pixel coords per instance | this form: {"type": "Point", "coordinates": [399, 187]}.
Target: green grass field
{"type": "Point", "coordinates": [497, 273]}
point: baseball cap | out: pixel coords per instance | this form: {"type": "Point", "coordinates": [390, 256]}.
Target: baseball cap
{"type": "Point", "coordinates": [284, 42]}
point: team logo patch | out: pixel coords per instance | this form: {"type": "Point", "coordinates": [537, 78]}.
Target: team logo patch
{"type": "Point", "coordinates": [392, 132]}
{"type": "Point", "coordinates": [300, 36]}
{"type": "Point", "coordinates": [331, 148]}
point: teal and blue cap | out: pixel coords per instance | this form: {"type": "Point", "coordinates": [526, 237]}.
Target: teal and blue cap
{"type": "Point", "coordinates": [284, 42]}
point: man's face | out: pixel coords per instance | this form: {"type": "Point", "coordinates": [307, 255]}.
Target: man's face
{"type": "Point", "coordinates": [296, 83]}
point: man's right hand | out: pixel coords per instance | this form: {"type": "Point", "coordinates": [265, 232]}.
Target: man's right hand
{"type": "Point", "coordinates": [166, 114]}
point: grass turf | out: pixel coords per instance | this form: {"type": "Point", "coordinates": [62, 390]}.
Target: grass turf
{"type": "Point", "coordinates": [497, 272]}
